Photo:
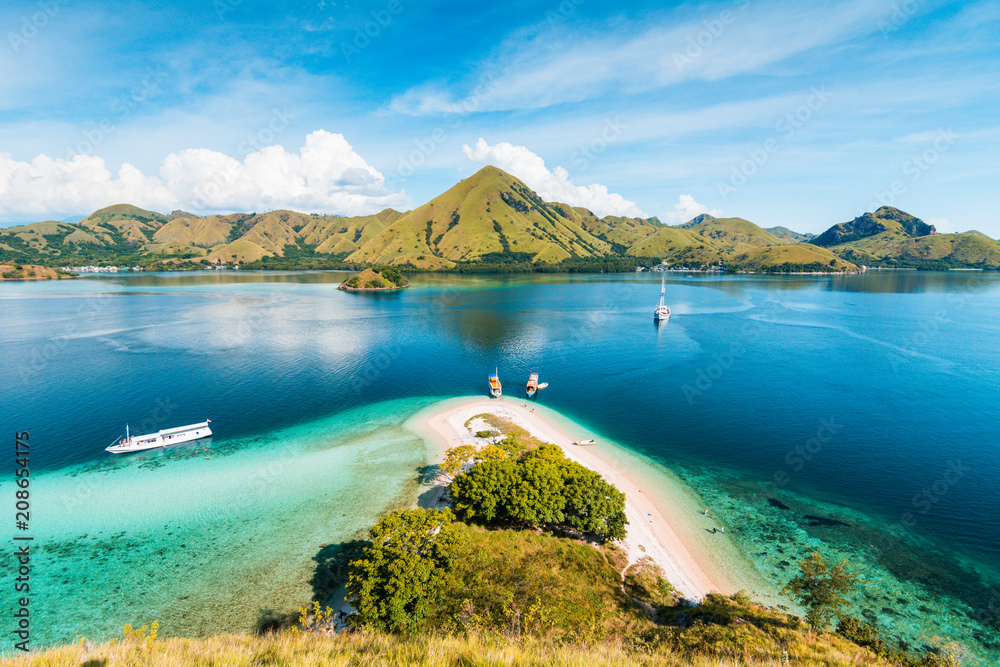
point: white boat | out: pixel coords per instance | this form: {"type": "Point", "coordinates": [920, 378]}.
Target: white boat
{"type": "Point", "coordinates": [170, 436]}
{"type": "Point", "coordinates": [662, 313]}
{"type": "Point", "coordinates": [584, 443]}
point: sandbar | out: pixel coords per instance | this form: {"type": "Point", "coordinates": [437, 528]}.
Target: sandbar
{"type": "Point", "coordinates": [653, 528]}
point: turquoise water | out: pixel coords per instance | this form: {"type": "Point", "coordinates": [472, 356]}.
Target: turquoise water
{"type": "Point", "coordinates": [853, 414]}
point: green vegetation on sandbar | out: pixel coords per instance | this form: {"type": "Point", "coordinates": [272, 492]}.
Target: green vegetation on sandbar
{"type": "Point", "coordinates": [532, 576]}
{"type": "Point", "coordinates": [436, 592]}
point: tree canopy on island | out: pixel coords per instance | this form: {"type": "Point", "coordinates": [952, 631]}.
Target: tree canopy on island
{"type": "Point", "coordinates": [541, 488]}
{"type": "Point", "coordinates": [378, 278]}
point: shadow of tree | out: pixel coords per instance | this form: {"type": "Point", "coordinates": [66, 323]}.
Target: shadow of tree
{"type": "Point", "coordinates": [271, 620]}
{"type": "Point", "coordinates": [428, 474]}
{"type": "Point", "coordinates": [332, 568]}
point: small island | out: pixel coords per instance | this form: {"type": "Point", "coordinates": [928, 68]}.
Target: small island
{"type": "Point", "coordinates": [378, 279]}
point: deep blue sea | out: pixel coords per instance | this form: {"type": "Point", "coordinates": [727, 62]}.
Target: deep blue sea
{"type": "Point", "coordinates": [858, 415]}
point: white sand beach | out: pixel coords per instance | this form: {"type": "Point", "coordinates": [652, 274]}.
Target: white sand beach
{"type": "Point", "coordinates": [652, 528]}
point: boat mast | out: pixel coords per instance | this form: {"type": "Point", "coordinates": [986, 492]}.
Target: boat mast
{"type": "Point", "coordinates": [663, 290]}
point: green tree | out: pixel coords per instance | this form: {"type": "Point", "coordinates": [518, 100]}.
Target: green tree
{"type": "Point", "coordinates": [821, 589]}
{"type": "Point", "coordinates": [537, 496]}
{"type": "Point", "coordinates": [491, 453]}
{"type": "Point", "coordinates": [543, 487]}
{"type": "Point", "coordinates": [456, 458]}
{"type": "Point", "coordinates": [592, 504]}
{"type": "Point", "coordinates": [482, 494]}
{"type": "Point", "coordinates": [401, 574]}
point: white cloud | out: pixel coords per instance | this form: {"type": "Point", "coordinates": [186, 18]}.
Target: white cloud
{"type": "Point", "coordinates": [550, 185]}
{"type": "Point", "coordinates": [685, 209]}
{"type": "Point", "coordinates": [556, 65]}
{"type": "Point", "coordinates": [942, 225]}
{"type": "Point", "coordinates": [326, 175]}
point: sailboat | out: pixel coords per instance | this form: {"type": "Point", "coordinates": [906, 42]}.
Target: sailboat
{"type": "Point", "coordinates": [495, 390]}
{"type": "Point", "coordinates": [662, 313]}
{"type": "Point", "coordinates": [532, 385]}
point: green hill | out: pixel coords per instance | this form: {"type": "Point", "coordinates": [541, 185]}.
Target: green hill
{"type": "Point", "coordinates": [893, 238]}
{"type": "Point", "coordinates": [731, 234]}
{"type": "Point", "coordinates": [490, 216]}
{"type": "Point", "coordinates": [678, 246]}
{"type": "Point", "coordinates": [885, 224]}
{"type": "Point", "coordinates": [966, 250]}
{"type": "Point", "coordinates": [796, 257]}
{"type": "Point", "coordinates": [490, 221]}
{"type": "Point", "coordinates": [789, 235]}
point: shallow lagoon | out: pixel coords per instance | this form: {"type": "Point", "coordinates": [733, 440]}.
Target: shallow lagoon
{"type": "Point", "coordinates": [309, 389]}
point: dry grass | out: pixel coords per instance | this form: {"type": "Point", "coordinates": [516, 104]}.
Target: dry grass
{"type": "Point", "coordinates": [364, 649]}
{"type": "Point", "coordinates": [507, 427]}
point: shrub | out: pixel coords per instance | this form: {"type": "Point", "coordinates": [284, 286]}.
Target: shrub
{"type": "Point", "coordinates": [644, 581]}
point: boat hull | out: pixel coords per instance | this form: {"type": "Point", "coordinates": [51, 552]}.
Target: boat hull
{"type": "Point", "coordinates": [141, 443]}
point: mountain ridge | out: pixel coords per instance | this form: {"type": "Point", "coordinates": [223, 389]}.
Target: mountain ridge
{"type": "Point", "coordinates": [489, 221]}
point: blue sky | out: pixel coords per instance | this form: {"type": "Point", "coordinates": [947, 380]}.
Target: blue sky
{"type": "Point", "coordinates": [783, 113]}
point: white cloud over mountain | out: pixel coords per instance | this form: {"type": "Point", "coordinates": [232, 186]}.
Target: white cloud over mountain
{"type": "Point", "coordinates": [685, 209]}
{"type": "Point", "coordinates": [551, 185]}
{"type": "Point", "coordinates": [325, 175]}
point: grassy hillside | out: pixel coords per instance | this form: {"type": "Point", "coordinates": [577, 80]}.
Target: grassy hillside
{"type": "Point", "coordinates": [966, 250]}
{"type": "Point", "coordinates": [885, 224]}
{"type": "Point", "coordinates": [893, 238]}
{"type": "Point", "coordinates": [205, 232]}
{"type": "Point", "coordinates": [30, 272]}
{"type": "Point", "coordinates": [795, 257]}
{"type": "Point", "coordinates": [731, 234]}
{"type": "Point", "coordinates": [490, 216]}
{"type": "Point", "coordinates": [678, 246]}
{"type": "Point", "coordinates": [789, 235]}
{"type": "Point", "coordinates": [620, 232]}
{"type": "Point", "coordinates": [489, 222]}
{"type": "Point", "coordinates": [380, 649]}
{"type": "Point", "coordinates": [518, 597]}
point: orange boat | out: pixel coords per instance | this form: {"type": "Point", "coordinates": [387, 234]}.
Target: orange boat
{"type": "Point", "coordinates": [495, 390]}
{"type": "Point", "coordinates": [532, 385]}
